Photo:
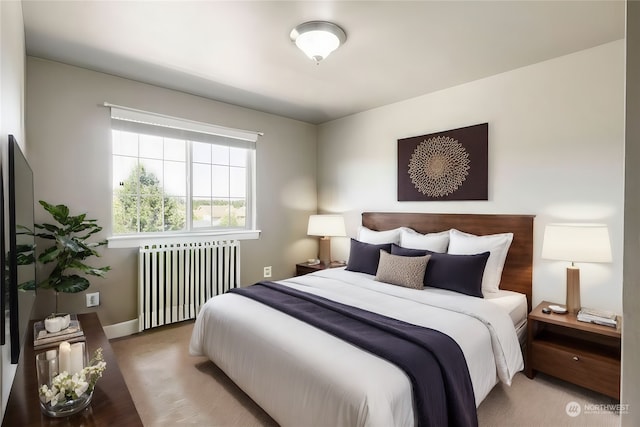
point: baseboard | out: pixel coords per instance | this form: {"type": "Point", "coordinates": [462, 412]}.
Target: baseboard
{"type": "Point", "coordinates": [123, 329]}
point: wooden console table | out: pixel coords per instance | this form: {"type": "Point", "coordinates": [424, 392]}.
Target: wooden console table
{"type": "Point", "coordinates": [111, 404]}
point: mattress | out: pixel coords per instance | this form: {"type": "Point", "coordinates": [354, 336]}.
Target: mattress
{"type": "Point", "coordinates": [301, 375]}
{"type": "Point", "coordinates": [515, 304]}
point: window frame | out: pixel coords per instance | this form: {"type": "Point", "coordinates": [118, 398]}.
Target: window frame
{"type": "Point", "coordinates": [142, 122]}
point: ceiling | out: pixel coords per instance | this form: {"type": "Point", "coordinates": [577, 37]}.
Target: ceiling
{"type": "Point", "coordinates": [239, 52]}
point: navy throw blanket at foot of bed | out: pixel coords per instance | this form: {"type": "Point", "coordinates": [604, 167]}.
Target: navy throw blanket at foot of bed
{"type": "Point", "coordinates": [433, 361]}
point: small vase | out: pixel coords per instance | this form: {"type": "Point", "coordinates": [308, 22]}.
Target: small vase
{"type": "Point", "coordinates": [47, 368]}
{"type": "Point", "coordinates": [65, 318]}
{"type": "Point", "coordinates": [67, 408]}
{"type": "Point", "coordinates": [57, 322]}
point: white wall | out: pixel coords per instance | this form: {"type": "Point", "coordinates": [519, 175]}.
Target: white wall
{"type": "Point", "coordinates": [555, 150]}
{"type": "Point", "coordinates": [12, 89]}
{"type": "Point", "coordinates": [70, 145]}
{"type": "Point", "coordinates": [12, 72]}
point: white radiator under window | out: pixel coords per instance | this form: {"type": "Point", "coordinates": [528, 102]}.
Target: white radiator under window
{"type": "Point", "coordinates": [176, 279]}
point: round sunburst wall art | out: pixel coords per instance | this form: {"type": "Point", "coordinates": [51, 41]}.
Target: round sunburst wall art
{"type": "Point", "coordinates": [439, 166]}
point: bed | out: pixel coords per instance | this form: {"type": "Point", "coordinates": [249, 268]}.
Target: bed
{"type": "Point", "coordinates": [301, 375]}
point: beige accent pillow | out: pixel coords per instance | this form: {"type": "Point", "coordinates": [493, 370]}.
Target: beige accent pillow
{"type": "Point", "coordinates": [402, 270]}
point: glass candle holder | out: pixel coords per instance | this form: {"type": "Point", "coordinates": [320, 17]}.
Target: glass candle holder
{"type": "Point", "coordinates": [63, 393]}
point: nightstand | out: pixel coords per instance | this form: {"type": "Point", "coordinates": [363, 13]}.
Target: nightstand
{"type": "Point", "coordinates": [306, 268]}
{"type": "Point", "coordinates": [578, 352]}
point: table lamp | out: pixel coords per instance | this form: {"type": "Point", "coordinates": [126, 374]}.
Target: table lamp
{"type": "Point", "coordinates": [576, 243]}
{"type": "Point", "coordinates": [326, 226]}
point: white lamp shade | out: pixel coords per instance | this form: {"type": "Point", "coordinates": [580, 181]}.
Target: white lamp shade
{"type": "Point", "coordinates": [326, 226]}
{"type": "Point", "coordinates": [577, 243]}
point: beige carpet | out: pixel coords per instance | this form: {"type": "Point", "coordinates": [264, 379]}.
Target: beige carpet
{"type": "Point", "coordinates": [171, 388]}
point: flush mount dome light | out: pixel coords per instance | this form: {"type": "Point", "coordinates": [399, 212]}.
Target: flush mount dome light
{"type": "Point", "coordinates": [317, 39]}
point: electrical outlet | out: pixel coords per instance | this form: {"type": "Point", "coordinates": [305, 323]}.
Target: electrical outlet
{"type": "Point", "coordinates": [267, 271]}
{"type": "Point", "coordinates": [93, 300]}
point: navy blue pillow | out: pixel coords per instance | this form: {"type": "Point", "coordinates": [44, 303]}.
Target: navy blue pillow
{"type": "Point", "coordinates": [459, 273]}
{"type": "Point", "coordinates": [364, 257]}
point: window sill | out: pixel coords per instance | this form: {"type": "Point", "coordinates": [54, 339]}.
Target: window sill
{"type": "Point", "coordinates": [135, 241]}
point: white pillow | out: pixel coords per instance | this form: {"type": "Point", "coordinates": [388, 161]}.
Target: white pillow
{"type": "Point", "coordinates": [379, 237]}
{"type": "Point", "coordinates": [497, 244]}
{"type": "Point", "coordinates": [434, 242]}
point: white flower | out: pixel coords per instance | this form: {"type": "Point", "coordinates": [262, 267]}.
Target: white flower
{"type": "Point", "coordinates": [58, 397]}
{"type": "Point", "coordinates": [66, 387]}
{"type": "Point", "coordinates": [81, 387]}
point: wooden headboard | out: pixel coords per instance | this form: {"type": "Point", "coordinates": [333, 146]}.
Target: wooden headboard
{"type": "Point", "coordinates": [517, 273]}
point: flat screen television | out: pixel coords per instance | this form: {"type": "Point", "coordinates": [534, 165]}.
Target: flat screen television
{"type": "Point", "coordinates": [4, 293]}
{"type": "Point", "coordinates": [21, 266]}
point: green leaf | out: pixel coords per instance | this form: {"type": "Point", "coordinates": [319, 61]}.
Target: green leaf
{"type": "Point", "coordinates": [70, 243]}
{"type": "Point", "coordinates": [49, 227]}
{"type": "Point", "coordinates": [88, 269]}
{"type": "Point", "coordinates": [25, 248]}
{"type": "Point", "coordinates": [46, 236]}
{"type": "Point", "coordinates": [45, 284]}
{"type": "Point", "coordinates": [96, 244]}
{"type": "Point", "coordinates": [27, 286]}
{"type": "Point", "coordinates": [94, 231]}
{"type": "Point", "coordinates": [21, 229]}
{"type": "Point", "coordinates": [71, 284]}
{"type": "Point", "coordinates": [79, 219]}
{"type": "Point", "coordinates": [81, 227]}
{"type": "Point", "coordinates": [59, 212]}
{"type": "Point", "coordinates": [50, 254]}
{"type": "Point", "coordinates": [25, 259]}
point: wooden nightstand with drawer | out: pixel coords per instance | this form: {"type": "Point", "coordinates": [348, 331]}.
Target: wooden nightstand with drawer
{"type": "Point", "coordinates": [306, 268]}
{"type": "Point", "coordinates": [578, 352]}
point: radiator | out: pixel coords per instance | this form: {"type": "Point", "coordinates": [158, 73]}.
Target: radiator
{"type": "Point", "coordinates": [176, 279]}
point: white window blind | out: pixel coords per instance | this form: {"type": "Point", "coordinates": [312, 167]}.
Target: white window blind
{"type": "Point", "coordinates": [132, 120]}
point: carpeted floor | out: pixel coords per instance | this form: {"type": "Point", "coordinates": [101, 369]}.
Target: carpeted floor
{"type": "Point", "coordinates": [171, 388]}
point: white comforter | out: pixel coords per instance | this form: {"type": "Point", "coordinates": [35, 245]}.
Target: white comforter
{"type": "Point", "coordinates": [303, 376]}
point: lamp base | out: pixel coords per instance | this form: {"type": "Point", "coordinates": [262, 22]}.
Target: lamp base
{"type": "Point", "coordinates": [325, 250]}
{"type": "Point", "coordinates": [573, 290]}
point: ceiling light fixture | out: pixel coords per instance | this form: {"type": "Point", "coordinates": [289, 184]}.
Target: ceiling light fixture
{"type": "Point", "coordinates": [317, 39]}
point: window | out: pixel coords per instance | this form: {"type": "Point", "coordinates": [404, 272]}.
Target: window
{"type": "Point", "coordinates": [176, 176]}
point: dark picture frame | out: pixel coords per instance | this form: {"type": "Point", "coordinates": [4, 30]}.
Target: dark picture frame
{"type": "Point", "coordinates": [447, 165]}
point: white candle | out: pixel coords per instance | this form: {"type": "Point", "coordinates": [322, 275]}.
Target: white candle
{"type": "Point", "coordinates": [77, 359]}
{"type": "Point", "coordinates": [51, 354]}
{"type": "Point", "coordinates": [64, 357]}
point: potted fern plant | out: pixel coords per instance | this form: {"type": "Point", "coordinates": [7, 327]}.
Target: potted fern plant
{"type": "Point", "coordinates": [69, 250]}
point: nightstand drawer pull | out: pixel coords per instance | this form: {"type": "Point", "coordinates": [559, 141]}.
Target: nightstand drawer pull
{"type": "Point", "coordinates": [576, 358]}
